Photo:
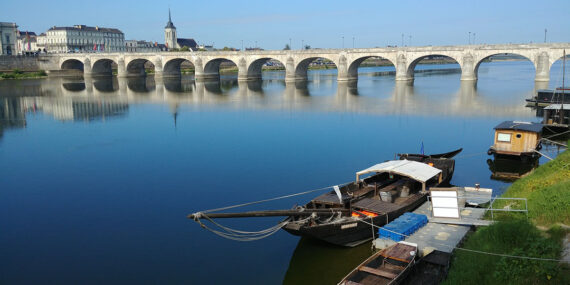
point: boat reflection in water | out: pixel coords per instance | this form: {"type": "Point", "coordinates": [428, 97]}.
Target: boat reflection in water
{"type": "Point", "coordinates": [511, 169]}
{"type": "Point", "coordinates": [307, 266]}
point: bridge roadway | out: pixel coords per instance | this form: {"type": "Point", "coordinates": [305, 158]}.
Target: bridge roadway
{"type": "Point", "coordinates": [296, 62]}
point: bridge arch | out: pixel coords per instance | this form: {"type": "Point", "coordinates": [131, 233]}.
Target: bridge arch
{"type": "Point", "coordinates": [352, 73]}
{"type": "Point", "coordinates": [556, 66]}
{"type": "Point", "coordinates": [103, 67]}
{"type": "Point", "coordinates": [139, 66]}
{"type": "Point", "coordinates": [484, 58]}
{"type": "Point", "coordinates": [177, 66]}
{"type": "Point", "coordinates": [212, 67]}
{"type": "Point", "coordinates": [302, 68]}
{"type": "Point", "coordinates": [255, 68]}
{"type": "Point", "coordinates": [72, 64]}
{"type": "Point", "coordinates": [416, 60]}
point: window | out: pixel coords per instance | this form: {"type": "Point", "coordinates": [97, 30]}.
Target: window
{"type": "Point", "coordinates": [502, 137]}
{"type": "Point", "coordinates": [518, 136]}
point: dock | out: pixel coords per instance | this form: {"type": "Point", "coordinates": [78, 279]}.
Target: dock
{"type": "Point", "coordinates": [444, 234]}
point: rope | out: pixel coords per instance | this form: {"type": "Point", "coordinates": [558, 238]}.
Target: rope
{"type": "Point", "coordinates": [266, 200]}
{"type": "Point", "coordinates": [543, 154]}
{"type": "Point", "coordinates": [557, 143]}
{"type": "Point", "coordinates": [475, 251]}
{"type": "Point", "coordinates": [238, 235]}
{"type": "Point", "coordinates": [470, 155]}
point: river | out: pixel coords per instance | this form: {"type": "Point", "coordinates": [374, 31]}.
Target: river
{"type": "Point", "coordinates": [98, 175]}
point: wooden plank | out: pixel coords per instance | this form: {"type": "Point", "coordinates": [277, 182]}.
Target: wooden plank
{"type": "Point", "coordinates": [400, 252]}
{"type": "Point", "coordinates": [377, 206]}
{"type": "Point", "coordinates": [378, 272]}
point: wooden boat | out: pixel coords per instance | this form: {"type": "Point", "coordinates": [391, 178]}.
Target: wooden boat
{"type": "Point", "coordinates": [545, 97]}
{"type": "Point", "coordinates": [388, 266]}
{"type": "Point", "coordinates": [344, 216]}
{"type": "Point", "coordinates": [395, 188]}
{"type": "Point", "coordinates": [423, 157]}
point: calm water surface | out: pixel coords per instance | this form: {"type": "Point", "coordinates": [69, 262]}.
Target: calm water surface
{"type": "Point", "coordinates": [97, 176]}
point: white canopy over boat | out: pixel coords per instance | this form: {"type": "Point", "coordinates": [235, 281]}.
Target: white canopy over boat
{"type": "Point", "coordinates": [416, 170]}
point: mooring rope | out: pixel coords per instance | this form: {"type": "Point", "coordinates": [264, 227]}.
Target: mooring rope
{"type": "Point", "coordinates": [556, 143]}
{"type": "Point", "coordinates": [239, 235]}
{"type": "Point", "coordinates": [265, 200]}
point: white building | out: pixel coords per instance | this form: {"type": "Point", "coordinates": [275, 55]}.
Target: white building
{"type": "Point", "coordinates": [8, 38]}
{"type": "Point", "coordinates": [27, 42]}
{"type": "Point", "coordinates": [141, 46]}
{"type": "Point", "coordinates": [81, 38]}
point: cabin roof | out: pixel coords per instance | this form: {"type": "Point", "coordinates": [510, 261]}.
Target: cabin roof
{"type": "Point", "coordinates": [557, 107]}
{"type": "Point", "coordinates": [557, 91]}
{"type": "Point", "coordinates": [413, 169]}
{"type": "Point", "coordinates": [520, 126]}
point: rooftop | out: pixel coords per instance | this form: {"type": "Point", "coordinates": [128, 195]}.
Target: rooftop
{"type": "Point", "coordinates": [86, 28]}
{"type": "Point", "coordinates": [521, 126]}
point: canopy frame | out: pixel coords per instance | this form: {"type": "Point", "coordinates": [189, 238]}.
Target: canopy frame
{"type": "Point", "coordinates": [404, 168]}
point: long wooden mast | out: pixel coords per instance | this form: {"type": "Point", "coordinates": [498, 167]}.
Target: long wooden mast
{"type": "Point", "coordinates": [563, 90]}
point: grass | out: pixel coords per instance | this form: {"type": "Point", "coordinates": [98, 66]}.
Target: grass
{"type": "Point", "coordinates": [516, 237]}
{"type": "Point", "coordinates": [547, 190]}
{"type": "Point", "coordinates": [18, 74]}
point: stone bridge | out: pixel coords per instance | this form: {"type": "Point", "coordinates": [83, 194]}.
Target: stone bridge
{"type": "Point", "coordinates": [296, 62]}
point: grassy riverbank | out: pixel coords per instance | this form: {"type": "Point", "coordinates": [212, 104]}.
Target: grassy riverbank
{"type": "Point", "coordinates": [548, 192]}
{"type": "Point", "coordinates": [18, 74]}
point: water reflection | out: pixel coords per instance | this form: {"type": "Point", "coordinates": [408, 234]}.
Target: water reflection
{"type": "Point", "coordinates": [140, 84]}
{"type": "Point", "coordinates": [315, 262]}
{"type": "Point", "coordinates": [508, 169]}
{"type": "Point", "coordinates": [12, 114]}
{"type": "Point", "coordinates": [110, 84]}
{"type": "Point", "coordinates": [74, 86]}
{"type": "Point", "coordinates": [380, 95]}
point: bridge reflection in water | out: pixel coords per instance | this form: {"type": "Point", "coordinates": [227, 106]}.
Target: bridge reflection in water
{"type": "Point", "coordinates": [323, 94]}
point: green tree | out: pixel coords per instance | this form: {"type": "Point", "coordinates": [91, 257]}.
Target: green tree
{"type": "Point", "coordinates": [185, 48]}
{"type": "Point", "coordinates": [287, 47]}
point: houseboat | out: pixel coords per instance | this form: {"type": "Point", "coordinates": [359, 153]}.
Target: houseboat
{"type": "Point", "coordinates": [514, 138]}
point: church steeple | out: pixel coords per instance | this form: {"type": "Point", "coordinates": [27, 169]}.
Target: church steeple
{"type": "Point", "coordinates": [169, 25]}
{"type": "Point", "coordinates": [170, 38]}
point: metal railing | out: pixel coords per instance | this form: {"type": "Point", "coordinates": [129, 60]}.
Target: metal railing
{"type": "Point", "coordinates": [490, 208]}
{"type": "Point", "coordinates": [493, 199]}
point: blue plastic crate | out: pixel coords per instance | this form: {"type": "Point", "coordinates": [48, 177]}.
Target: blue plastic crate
{"type": "Point", "coordinates": [403, 226]}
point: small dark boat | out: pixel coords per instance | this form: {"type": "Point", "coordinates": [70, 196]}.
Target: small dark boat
{"type": "Point", "coordinates": [545, 97]}
{"type": "Point", "coordinates": [388, 266]}
{"type": "Point", "coordinates": [344, 216]}
{"type": "Point", "coordinates": [423, 157]}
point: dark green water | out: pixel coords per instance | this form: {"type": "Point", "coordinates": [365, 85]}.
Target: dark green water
{"type": "Point", "coordinates": [97, 176]}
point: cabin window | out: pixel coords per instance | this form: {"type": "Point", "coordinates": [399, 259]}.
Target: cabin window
{"type": "Point", "coordinates": [502, 137]}
{"type": "Point", "coordinates": [518, 136]}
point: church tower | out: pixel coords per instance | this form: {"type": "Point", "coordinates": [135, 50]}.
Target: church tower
{"type": "Point", "coordinates": [170, 38]}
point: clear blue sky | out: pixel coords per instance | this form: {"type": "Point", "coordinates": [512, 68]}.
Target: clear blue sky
{"type": "Point", "coordinates": [317, 23]}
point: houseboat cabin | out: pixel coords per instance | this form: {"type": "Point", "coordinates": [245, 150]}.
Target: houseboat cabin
{"type": "Point", "coordinates": [513, 138]}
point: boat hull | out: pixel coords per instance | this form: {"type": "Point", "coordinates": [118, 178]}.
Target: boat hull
{"type": "Point", "coordinates": [352, 231]}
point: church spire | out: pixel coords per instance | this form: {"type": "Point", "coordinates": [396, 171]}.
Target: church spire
{"type": "Point", "coordinates": [169, 25]}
